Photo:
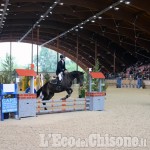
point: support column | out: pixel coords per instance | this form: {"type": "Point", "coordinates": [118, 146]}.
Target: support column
{"type": "Point", "coordinates": [32, 49]}
{"type": "Point", "coordinates": [114, 63]}
{"type": "Point", "coordinates": [95, 52]}
{"type": "Point", "coordinates": [37, 49]}
{"type": "Point", "coordinates": [77, 53]}
{"type": "Point", "coordinates": [10, 60]}
{"type": "Point", "coordinates": [58, 48]}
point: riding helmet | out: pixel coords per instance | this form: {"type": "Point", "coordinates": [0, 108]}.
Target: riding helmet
{"type": "Point", "coordinates": [62, 56]}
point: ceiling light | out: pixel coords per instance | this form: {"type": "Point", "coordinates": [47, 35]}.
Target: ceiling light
{"type": "Point", "coordinates": [61, 4]}
{"type": "Point", "coordinates": [110, 7]}
{"type": "Point", "coordinates": [81, 27]}
{"type": "Point", "coordinates": [93, 21]}
{"type": "Point", "coordinates": [50, 12]}
{"type": "Point", "coordinates": [1, 9]}
{"type": "Point", "coordinates": [76, 30]}
{"type": "Point", "coordinates": [2, 4]}
{"type": "Point", "coordinates": [55, 2]}
{"type": "Point", "coordinates": [121, 1]}
{"type": "Point", "coordinates": [42, 16]}
{"type": "Point", "coordinates": [51, 7]}
{"type": "Point", "coordinates": [116, 8]}
{"type": "Point", "coordinates": [47, 16]}
{"type": "Point", "coordinates": [99, 17]}
{"type": "Point", "coordinates": [94, 16]}
{"type": "Point", "coordinates": [127, 2]}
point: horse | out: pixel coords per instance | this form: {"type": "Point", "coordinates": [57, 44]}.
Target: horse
{"type": "Point", "coordinates": [50, 88]}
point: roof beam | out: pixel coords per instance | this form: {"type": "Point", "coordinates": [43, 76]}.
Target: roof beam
{"type": "Point", "coordinates": [84, 22]}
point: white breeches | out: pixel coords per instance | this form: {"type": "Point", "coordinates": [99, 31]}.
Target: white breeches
{"type": "Point", "coordinates": [60, 76]}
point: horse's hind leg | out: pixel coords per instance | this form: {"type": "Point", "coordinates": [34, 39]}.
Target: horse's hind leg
{"type": "Point", "coordinates": [69, 91]}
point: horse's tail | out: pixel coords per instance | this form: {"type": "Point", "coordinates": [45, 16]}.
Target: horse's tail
{"type": "Point", "coordinates": [38, 92]}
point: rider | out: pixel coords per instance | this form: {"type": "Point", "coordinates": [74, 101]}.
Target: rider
{"type": "Point", "coordinates": [61, 68]}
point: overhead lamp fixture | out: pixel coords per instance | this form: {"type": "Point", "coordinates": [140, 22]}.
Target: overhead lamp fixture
{"type": "Point", "coordinates": [61, 4]}
{"type": "Point", "coordinates": [99, 17]}
{"type": "Point", "coordinates": [116, 8]}
{"type": "Point", "coordinates": [110, 7]}
{"type": "Point", "coordinates": [55, 2]}
{"type": "Point", "coordinates": [7, 8]}
{"type": "Point", "coordinates": [2, 4]}
{"type": "Point", "coordinates": [42, 16]}
{"type": "Point", "coordinates": [127, 2]}
{"type": "Point", "coordinates": [50, 12]}
{"type": "Point", "coordinates": [51, 7]}
{"type": "Point", "coordinates": [93, 21]}
{"type": "Point", "coordinates": [1, 9]}
{"type": "Point", "coordinates": [121, 1]}
{"type": "Point", "coordinates": [94, 16]}
{"type": "Point", "coordinates": [81, 27]}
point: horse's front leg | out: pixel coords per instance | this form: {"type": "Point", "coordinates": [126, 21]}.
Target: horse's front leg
{"type": "Point", "coordinates": [48, 97]}
{"type": "Point", "coordinates": [69, 91]}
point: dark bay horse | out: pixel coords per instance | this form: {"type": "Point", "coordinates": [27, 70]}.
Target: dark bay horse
{"type": "Point", "coordinates": [50, 88]}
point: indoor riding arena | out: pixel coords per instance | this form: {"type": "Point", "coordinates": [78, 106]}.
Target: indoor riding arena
{"type": "Point", "coordinates": [99, 100]}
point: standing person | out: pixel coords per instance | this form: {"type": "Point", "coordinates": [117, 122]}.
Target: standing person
{"type": "Point", "coordinates": [61, 68]}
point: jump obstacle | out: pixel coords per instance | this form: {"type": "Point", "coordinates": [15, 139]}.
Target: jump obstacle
{"type": "Point", "coordinates": [92, 101]}
{"type": "Point", "coordinates": [58, 106]}
{"type": "Point", "coordinates": [130, 83]}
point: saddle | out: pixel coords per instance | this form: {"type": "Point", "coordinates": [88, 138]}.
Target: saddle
{"type": "Point", "coordinates": [54, 81]}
